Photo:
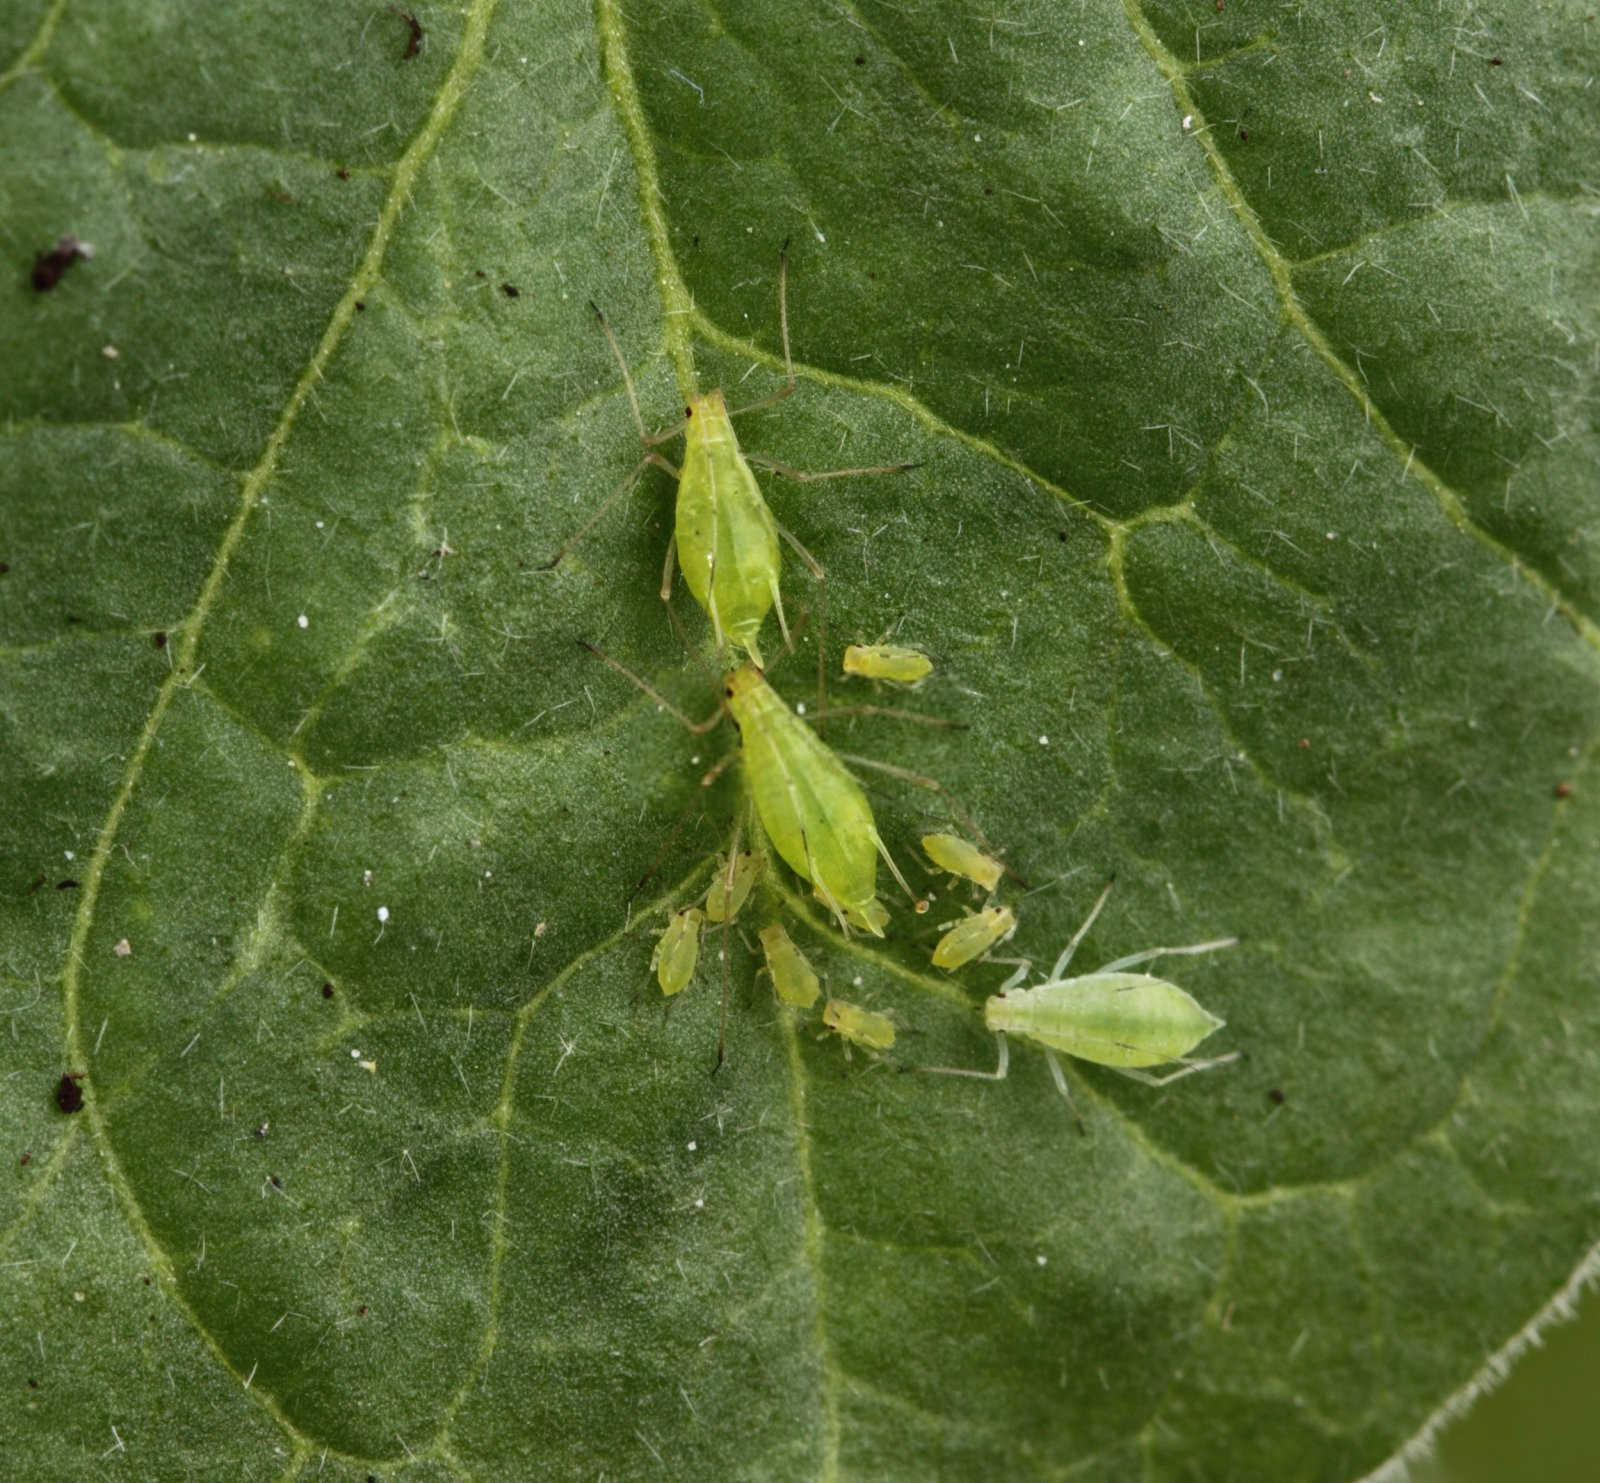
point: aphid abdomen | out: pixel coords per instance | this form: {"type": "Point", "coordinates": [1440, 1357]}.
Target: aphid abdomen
{"type": "Point", "coordinates": [813, 811]}
{"type": "Point", "coordinates": [1112, 1019]}
{"type": "Point", "coordinates": [726, 538]}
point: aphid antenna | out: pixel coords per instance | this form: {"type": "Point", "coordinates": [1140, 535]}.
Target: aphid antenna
{"type": "Point", "coordinates": [1051, 884]}
{"type": "Point", "coordinates": [698, 728]}
{"type": "Point", "coordinates": [606, 504]}
{"type": "Point", "coordinates": [666, 435]}
{"type": "Point", "coordinates": [787, 389]}
{"type": "Point", "coordinates": [918, 718]}
{"type": "Point", "coordinates": [1119, 964]}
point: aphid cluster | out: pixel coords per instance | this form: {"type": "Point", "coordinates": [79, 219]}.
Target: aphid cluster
{"type": "Point", "coordinates": [815, 815]}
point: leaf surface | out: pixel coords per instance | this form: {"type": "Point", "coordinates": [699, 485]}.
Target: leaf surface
{"type": "Point", "coordinates": [1247, 362]}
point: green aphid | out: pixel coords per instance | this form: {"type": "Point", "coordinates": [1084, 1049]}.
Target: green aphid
{"type": "Point", "coordinates": [730, 886]}
{"type": "Point", "coordinates": [893, 662]}
{"type": "Point", "coordinates": [724, 535]}
{"type": "Point", "coordinates": [814, 812]}
{"type": "Point", "coordinates": [793, 978]}
{"type": "Point", "coordinates": [678, 950]}
{"type": "Point", "coordinates": [1126, 1021]}
{"type": "Point", "coordinates": [951, 852]}
{"type": "Point", "coordinates": [973, 936]}
{"type": "Point", "coordinates": [857, 1026]}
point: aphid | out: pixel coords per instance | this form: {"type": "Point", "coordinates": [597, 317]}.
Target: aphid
{"type": "Point", "coordinates": [724, 537]}
{"type": "Point", "coordinates": [730, 886]}
{"type": "Point", "coordinates": [678, 950]}
{"type": "Point", "coordinates": [951, 852]}
{"type": "Point", "coordinates": [892, 662]}
{"type": "Point", "coordinates": [814, 812]}
{"type": "Point", "coordinates": [858, 1026]}
{"type": "Point", "coordinates": [973, 936]}
{"type": "Point", "coordinates": [1127, 1021]}
{"type": "Point", "coordinates": [793, 978]}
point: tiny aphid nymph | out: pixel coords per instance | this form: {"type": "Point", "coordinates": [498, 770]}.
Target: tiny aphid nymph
{"type": "Point", "coordinates": [893, 662]}
{"type": "Point", "coordinates": [793, 978]}
{"type": "Point", "coordinates": [857, 1026]}
{"type": "Point", "coordinates": [1126, 1021]}
{"type": "Point", "coordinates": [973, 936]}
{"type": "Point", "coordinates": [951, 852]}
{"type": "Point", "coordinates": [678, 950]}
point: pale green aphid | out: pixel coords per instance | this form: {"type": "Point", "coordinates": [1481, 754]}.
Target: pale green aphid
{"type": "Point", "coordinates": [724, 536]}
{"type": "Point", "coordinates": [973, 936]}
{"type": "Point", "coordinates": [814, 812]}
{"type": "Point", "coordinates": [951, 852]}
{"type": "Point", "coordinates": [1127, 1021]}
{"type": "Point", "coordinates": [793, 977]}
{"type": "Point", "coordinates": [858, 1026]}
{"type": "Point", "coordinates": [678, 950]}
{"type": "Point", "coordinates": [892, 662]}
{"type": "Point", "coordinates": [730, 886]}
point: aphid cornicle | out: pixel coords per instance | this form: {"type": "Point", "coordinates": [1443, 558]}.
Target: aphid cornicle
{"type": "Point", "coordinates": [973, 936]}
{"type": "Point", "coordinates": [678, 950]}
{"type": "Point", "coordinates": [1125, 1021]}
{"type": "Point", "coordinates": [892, 662]}
{"type": "Point", "coordinates": [813, 811]}
{"type": "Point", "coordinates": [793, 978]}
{"type": "Point", "coordinates": [951, 852]}
{"type": "Point", "coordinates": [857, 1026]}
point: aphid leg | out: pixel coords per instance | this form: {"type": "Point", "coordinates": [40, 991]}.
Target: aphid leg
{"type": "Point", "coordinates": [1188, 1068]}
{"type": "Point", "coordinates": [1080, 934]}
{"type": "Point", "coordinates": [808, 476]}
{"type": "Point", "coordinates": [1060, 1078]}
{"type": "Point", "coordinates": [699, 728]}
{"type": "Point", "coordinates": [787, 389]}
{"type": "Point", "coordinates": [648, 439]}
{"type": "Point", "coordinates": [1016, 978]}
{"type": "Point", "coordinates": [711, 775]}
{"type": "Point", "coordinates": [920, 779]}
{"type": "Point", "coordinates": [821, 578]}
{"type": "Point", "coordinates": [1166, 952]}
{"type": "Point", "coordinates": [727, 896]}
{"type": "Point", "coordinates": [998, 1074]}
{"type": "Point", "coordinates": [610, 500]}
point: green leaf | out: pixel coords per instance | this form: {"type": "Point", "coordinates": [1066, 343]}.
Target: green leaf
{"type": "Point", "coordinates": [1247, 357]}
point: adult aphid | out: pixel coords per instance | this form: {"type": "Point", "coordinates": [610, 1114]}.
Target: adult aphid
{"type": "Point", "coordinates": [1126, 1021]}
{"type": "Point", "coordinates": [724, 538]}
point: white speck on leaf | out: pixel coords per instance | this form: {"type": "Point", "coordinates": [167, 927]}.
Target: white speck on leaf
{"type": "Point", "coordinates": [303, 621]}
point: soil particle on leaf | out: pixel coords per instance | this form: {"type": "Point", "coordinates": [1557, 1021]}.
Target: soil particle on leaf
{"type": "Point", "coordinates": [48, 266]}
{"type": "Point", "coordinates": [414, 40]}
